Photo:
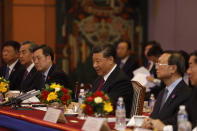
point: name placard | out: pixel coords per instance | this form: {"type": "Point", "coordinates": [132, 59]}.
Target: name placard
{"type": "Point", "coordinates": [95, 124]}
{"type": "Point", "coordinates": [54, 115]}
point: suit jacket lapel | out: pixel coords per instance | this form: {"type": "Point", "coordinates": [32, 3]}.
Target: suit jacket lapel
{"type": "Point", "coordinates": [109, 80]}
{"type": "Point", "coordinates": [29, 76]}
{"type": "Point", "coordinates": [14, 69]}
{"type": "Point", "coordinates": [158, 102]}
{"type": "Point", "coordinates": [50, 72]}
{"type": "Point", "coordinates": [173, 95]}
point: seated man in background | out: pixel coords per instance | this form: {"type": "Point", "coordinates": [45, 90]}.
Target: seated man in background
{"type": "Point", "coordinates": [12, 70]}
{"type": "Point", "coordinates": [190, 106]}
{"type": "Point", "coordinates": [125, 60]}
{"type": "Point", "coordinates": [32, 78]}
{"type": "Point", "coordinates": [170, 68]}
{"type": "Point", "coordinates": [111, 80]}
{"type": "Point", "coordinates": [148, 64]}
{"type": "Point", "coordinates": [153, 55]}
{"type": "Point", "coordinates": [43, 57]}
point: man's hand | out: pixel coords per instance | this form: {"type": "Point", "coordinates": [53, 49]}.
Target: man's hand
{"type": "Point", "coordinates": [150, 78]}
{"type": "Point", "coordinates": [147, 123]}
{"type": "Point", "coordinates": [157, 124]}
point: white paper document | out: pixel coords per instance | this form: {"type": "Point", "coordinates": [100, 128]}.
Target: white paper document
{"type": "Point", "coordinates": [142, 70]}
{"type": "Point", "coordinates": [140, 75]}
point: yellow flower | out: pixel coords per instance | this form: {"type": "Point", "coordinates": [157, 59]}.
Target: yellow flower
{"type": "Point", "coordinates": [4, 90]}
{"type": "Point", "coordinates": [52, 96]}
{"type": "Point", "coordinates": [54, 85]}
{"type": "Point", "coordinates": [108, 107]}
{"type": "Point", "coordinates": [3, 84]}
{"type": "Point", "coordinates": [82, 106]}
{"type": "Point", "coordinates": [98, 100]}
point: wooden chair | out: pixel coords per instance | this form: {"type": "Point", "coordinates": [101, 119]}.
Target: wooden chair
{"type": "Point", "coordinates": [138, 98]}
{"type": "Point", "coordinates": [78, 86]}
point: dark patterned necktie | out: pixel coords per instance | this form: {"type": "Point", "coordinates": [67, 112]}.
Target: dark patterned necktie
{"type": "Point", "coordinates": [100, 84]}
{"type": "Point", "coordinates": [121, 65]}
{"type": "Point", "coordinates": [25, 75]}
{"type": "Point", "coordinates": [7, 73]}
{"type": "Point", "coordinates": [164, 98]}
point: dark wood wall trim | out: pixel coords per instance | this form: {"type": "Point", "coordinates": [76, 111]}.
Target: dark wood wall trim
{"type": "Point", "coordinates": [1, 21]}
{"type": "Point", "coordinates": [8, 20]}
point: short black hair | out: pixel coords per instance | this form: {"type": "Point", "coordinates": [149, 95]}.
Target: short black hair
{"type": "Point", "coordinates": [177, 59]}
{"type": "Point", "coordinates": [47, 51]}
{"type": "Point", "coordinates": [155, 50]}
{"type": "Point", "coordinates": [107, 49]}
{"type": "Point", "coordinates": [32, 45]}
{"type": "Point", "coordinates": [12, 43]}
{"type": "Point", "coordinates": [194, 54]}
{"type": "Point", "coordinates": [186, 57]}
{"type": "Point", "coordinates": [127, 42]}
{"type": "Point", "coordinates": [152, 43]}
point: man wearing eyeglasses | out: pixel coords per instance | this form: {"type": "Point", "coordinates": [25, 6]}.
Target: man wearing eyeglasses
{"type": "Point", "coordinates": [170, 68]}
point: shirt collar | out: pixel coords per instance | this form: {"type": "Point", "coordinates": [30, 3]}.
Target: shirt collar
{"type": "Point", "coordinates": [12, 66]}
{"type": "Point", "coordinates": [124, 60]}
{"type": "Point", "coordinates": [172, 86]}
{"type": "Point", "coordinates": [107, 75]}
{"type": "Point", "coordinates": [46, 72]}
{"type": "Point", "coordinates": [30, 67]}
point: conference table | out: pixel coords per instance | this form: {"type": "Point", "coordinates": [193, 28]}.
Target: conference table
{"type": "Point", "coordinates": [32, 119]}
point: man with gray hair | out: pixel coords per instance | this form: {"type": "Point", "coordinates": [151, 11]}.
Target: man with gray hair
{"type": "Point", "coordinates": [32, 78]}
{"type": "Point", "coordinates": [170, 68]}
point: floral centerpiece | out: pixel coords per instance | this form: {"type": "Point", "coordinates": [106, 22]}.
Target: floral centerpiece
{"type": "Point", "coordinates": [4, 85]}
{"type": "Point", "coordinates": [55, 93]}
{"type": "Point", "coordinates": [97, 104]}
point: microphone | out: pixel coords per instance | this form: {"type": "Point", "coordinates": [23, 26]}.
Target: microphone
{"type": "Point", "coordinates": [17, 100]}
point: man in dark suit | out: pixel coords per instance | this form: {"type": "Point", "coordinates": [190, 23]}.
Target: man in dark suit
{"type": "Point", "coordinates": [32, 78]}
{"type": "Point", "coordinates": [191, 107]}
{"type": "Point", "coordinates": [43, 60]}
{"type": "Point", "coordinates": [12, 70]}
{"type": "Point", "coordinates": [111, 80]}
{"type": "Point", "coordinates": [125, 60]}
{"type": "Point", "coordinates": [192, 72]}
{"type": "Point", "coordinates": [170, 68]}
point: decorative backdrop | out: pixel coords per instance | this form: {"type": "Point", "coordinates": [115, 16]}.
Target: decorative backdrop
{"type": "Point", "coordinates": [82, 24]}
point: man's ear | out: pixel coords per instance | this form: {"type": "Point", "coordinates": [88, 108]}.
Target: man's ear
{"type": "Point", "coordinates": [173, 68]}
{"type": "Point", "coordinates": [49, 57]}
{"type": "Point", "coordinates": [111, 59]}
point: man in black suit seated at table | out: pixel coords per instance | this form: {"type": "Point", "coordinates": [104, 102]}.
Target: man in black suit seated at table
{"type": "Point", "coordinates": [43, 60]}
{"type": "Point", "coordinates": [191, 107]}
{"type": "Point", "coordinates": [12, 70]}
{"type": "Point", "coordinates": [111, 80]}
{"type": "Point", "coordinates": [32, 78]}
{"type": "Point", "coordinates": [126, 61]}
{"type": "Point", "coordinates": [170, 68]}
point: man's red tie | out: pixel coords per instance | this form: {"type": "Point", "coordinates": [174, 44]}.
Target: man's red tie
{"type": "Point", "coordinates": [100, 84]}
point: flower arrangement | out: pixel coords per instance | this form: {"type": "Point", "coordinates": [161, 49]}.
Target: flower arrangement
{"type": "Point", "coordinates": [4, 85]}
{"type": "Point", "coordinates": [55, 93]}
{"type": "Point", "coordinates": [97, 104]}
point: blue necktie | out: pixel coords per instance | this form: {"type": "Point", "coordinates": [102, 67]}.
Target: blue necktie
{"type": "Point", "coordinates": [7, 73]}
